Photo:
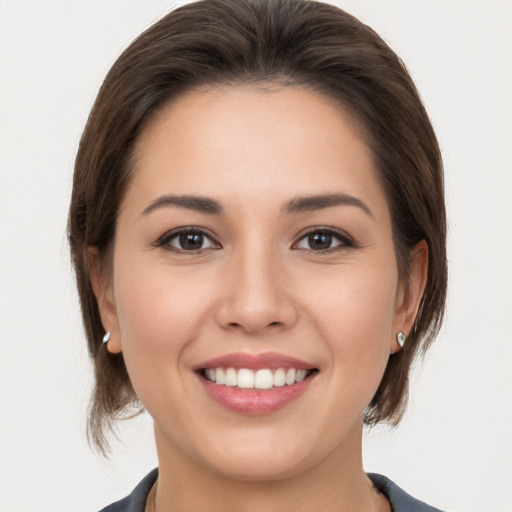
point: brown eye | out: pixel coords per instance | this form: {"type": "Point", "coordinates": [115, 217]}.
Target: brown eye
{"type": "Point", "coordinates": [188, 241]}
{"type": "Point", "coordinates": [320, 241]}
{"type": "Point", "coordinates": [323, 240]}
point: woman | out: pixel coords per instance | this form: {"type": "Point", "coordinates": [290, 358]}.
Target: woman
{"type": "Point", "coordinates": [258, 231]}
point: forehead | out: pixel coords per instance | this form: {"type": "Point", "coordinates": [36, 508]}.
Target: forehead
{"type": "Point", "coordinates": [246, 141]}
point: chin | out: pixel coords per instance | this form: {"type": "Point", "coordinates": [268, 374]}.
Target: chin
{"type": "Point", "coordinates": [259, 469]}
{"type": "Point", "coordinates": [262, 459]}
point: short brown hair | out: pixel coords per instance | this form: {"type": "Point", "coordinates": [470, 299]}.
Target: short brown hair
{"type": "Point", "coordinates": [288, 42]}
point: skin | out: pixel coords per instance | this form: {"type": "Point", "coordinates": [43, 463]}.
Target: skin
{"type": "Point", "coordinates": [256, 286]}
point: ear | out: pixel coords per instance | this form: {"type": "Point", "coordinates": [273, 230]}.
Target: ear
{"type": "Point", "coordinates": [410, 293]}
{"type": "Point", "coordinates": [103, 290]}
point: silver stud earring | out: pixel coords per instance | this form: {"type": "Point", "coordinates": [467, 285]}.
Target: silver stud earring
{"type": "Point", "coordinates": [401, 338]}
{"type": "Point", "coordinates": [106, 337]}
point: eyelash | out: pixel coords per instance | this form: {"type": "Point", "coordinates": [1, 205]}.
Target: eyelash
{"type": "Point", "coordinates": [344, 240]}
{"type": "Point", "coordinates": [165, 240]}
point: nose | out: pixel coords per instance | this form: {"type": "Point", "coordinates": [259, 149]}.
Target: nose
{"type": "Point", "coordinates": [256, 297]}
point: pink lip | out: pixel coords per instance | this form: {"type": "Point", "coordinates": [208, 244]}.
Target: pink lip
{"type": "Point", "coordinates": [255, 402]}
{"type": "Point", "coordinates": [270, 360]}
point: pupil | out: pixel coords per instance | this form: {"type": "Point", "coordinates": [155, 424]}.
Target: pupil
{"type": "Point", "coordinates": [320, 241]}
{"type": "Point", "coordinates": [191, 241]}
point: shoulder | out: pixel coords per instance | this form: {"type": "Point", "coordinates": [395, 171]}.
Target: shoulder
{"type": "Point", "coordinates": [136, 501]}
{"type": "Point", "coordinates": [399, 499]}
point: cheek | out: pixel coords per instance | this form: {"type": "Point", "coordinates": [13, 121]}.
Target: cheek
{"type": "Point", "coordinates": [154, 300]}
{"type": "Point", "coordinates": [355, 319]}
{"type": "Point", "coordinates": [160, 315]}
{"type": "Point", "coordinates": [354, 310]}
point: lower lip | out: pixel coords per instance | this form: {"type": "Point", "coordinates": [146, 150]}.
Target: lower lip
{"type": "Point", "coordinates": [255, 402]}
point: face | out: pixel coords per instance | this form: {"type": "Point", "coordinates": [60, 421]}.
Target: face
{"type": "Point", "coordinates": [254, 248]}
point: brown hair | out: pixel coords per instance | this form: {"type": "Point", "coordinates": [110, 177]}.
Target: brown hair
{"type": "Point", "coordinates": [289, 42]}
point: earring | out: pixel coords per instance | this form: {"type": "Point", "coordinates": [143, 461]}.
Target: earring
{"type": "Point", "coordinates": [401, 338]}
{"type": "Point", "coordinates": [106, 337]}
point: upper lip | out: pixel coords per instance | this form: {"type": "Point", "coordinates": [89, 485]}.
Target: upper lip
{"type": "Point", "coordinates": [271, 360]}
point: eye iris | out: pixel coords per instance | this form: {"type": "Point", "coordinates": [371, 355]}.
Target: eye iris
{"type": "Point", "coordinates": [191, 241]}
{"type": "Point", "coordinates": [320, 241]}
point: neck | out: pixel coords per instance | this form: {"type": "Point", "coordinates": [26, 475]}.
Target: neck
{"type": "Point", "coordinates": [337, 483]}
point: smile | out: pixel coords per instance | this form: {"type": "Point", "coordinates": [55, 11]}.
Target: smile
{"type": "Point", "coordinates": [255, 384]}
{"type": "Point", "coordinates": [264, 378]}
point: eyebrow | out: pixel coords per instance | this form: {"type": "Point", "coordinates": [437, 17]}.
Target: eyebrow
{"type": "Point", "coordinates": [296, 205]}
{"type": "Point", "coordinates": [197, 203]}
{"type": "Point", "coordinates": [317, 202]}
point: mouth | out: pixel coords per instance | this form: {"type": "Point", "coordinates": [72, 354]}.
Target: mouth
{"type": "Point", "coordinates": [256, 379]}
{"type": "Point", "coordinates": [255, 384]}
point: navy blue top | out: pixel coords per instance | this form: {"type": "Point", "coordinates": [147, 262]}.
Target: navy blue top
{"type": "Point", "coordinates": [399, 499]}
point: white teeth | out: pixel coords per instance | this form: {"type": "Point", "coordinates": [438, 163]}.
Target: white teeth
{"type": "Point", "coordinates": [219, 376]}
{"type": "Point", "coordinates": [259, 379]}
{"type": "Point", "coordinates": [230, 377]}
{"type": "Point", "coordinates": [300, 376]}
{"type": "Point", "coordinates": [279, 378]}
{"type": "Point", "coordinates": [263, 379]}
{"type": "Point", "coordinates": [290, 376]}
{"type": "Point", "coordinates": [245, 378]}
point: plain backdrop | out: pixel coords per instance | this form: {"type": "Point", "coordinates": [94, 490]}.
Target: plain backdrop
{"type": "Point", "coordinates": [454, 448]}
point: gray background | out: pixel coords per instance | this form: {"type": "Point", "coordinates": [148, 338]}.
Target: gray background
{"type": "Point", "coordinates": [454, 449]}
